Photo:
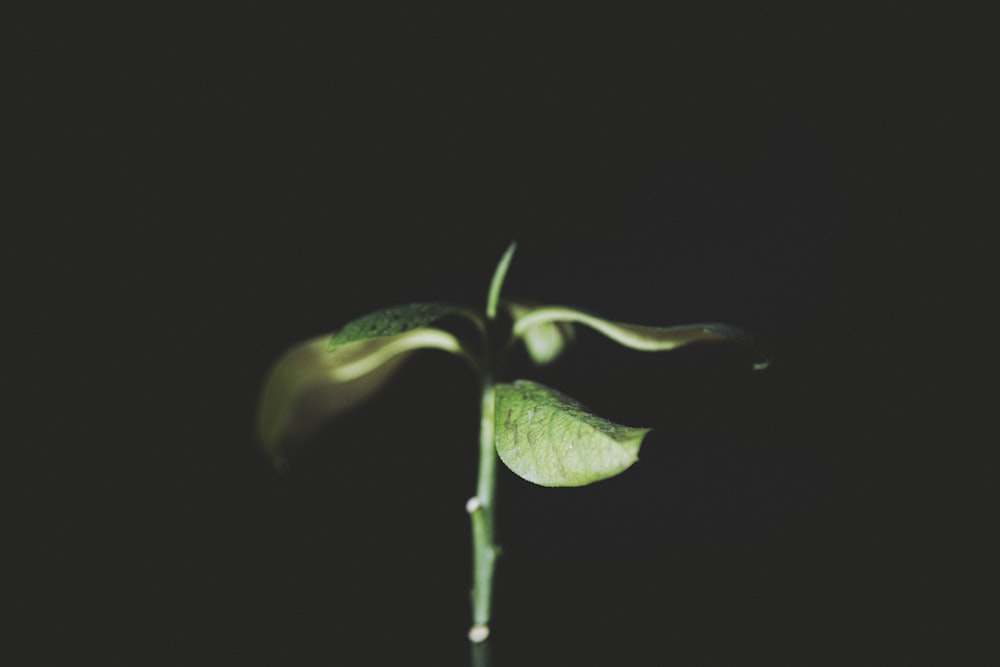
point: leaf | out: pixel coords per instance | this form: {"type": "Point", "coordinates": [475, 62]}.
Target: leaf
{"type": "Point", "coordinates": [544, 341]}
{"type": "Point", "coordinates": [393, 320]}
{"type": "Point", "coordinates": [550, 439]}
{"type": "Point", "coordinates": [645, 338]}
{"type": "Point", "coordinates": [496, 283]}
{"type": "Point", "coordinates": [309, 385]}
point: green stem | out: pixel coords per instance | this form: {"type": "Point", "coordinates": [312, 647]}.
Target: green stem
{"type": "Point", "coordinates": [481, 509]}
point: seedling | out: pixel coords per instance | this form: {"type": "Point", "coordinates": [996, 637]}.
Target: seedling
{"type": "Point", "coordinates": [542, 435]}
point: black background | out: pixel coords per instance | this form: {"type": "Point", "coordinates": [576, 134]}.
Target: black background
{"type": "Point", "coordinates": [207, 188]}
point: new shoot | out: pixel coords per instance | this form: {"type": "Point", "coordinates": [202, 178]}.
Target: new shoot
{"type": "Point", "coordinates": [540, 434]}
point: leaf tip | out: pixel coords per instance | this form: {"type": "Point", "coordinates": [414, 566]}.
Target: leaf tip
{"type": "Point", "coordinates": [493, 296]}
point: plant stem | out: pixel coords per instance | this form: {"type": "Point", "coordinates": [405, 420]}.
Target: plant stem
{"type": "Point", "coordinates": [481, 509]}
{"type": "Point", "coordinates": [481, 506]}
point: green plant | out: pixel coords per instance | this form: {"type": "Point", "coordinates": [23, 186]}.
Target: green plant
{"type": "Point", "coordinates": [540, 434]}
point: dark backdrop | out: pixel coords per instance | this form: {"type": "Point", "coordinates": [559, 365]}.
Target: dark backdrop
{"type": "Point", "coordinates": [215, 186]}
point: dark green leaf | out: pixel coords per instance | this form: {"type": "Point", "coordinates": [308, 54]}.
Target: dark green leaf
{"type": "Point", "coordinates": [550, 439]}
{"type": "Point", "coordinates": [391, 321]}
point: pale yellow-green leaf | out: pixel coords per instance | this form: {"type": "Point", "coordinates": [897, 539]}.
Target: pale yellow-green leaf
{"type": "Point", "coordinates": [550, 439]}
{"type": "Point", "coordinates": [309, 384]}
{"type": "Point", "coordinates": [640, 337]}
{"type": "Point", "coordinates": [544, 341]}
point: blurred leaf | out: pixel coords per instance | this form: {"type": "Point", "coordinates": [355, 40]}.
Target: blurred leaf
{"type": "Point", "coordinates": [639, 337]}
{"type": "Point", "coordinates": [544, 341]}
{"type": "Point", "coordinates": [309, 384]}
{"type": "Point", "coordinates": [550, 439]}
{"type": "Point", "coordinates": [393, 320]}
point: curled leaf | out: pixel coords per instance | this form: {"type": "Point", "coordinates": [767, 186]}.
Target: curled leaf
{"type": "Point", "coordinates": [309, 384]}
{"type": "Point", "coordinates": [550, 439]}
{"type": "Point", "coordinates": [639, 337]}
{"type": "Point", "coordinates": [544, 341]}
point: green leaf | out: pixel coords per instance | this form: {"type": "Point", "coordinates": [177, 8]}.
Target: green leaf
{"type": "Point", "coordinates": [496, 283]}
{"type": "Point", "coordinates": [639, 337]}
{"type": "Point", "coordinates": [550, 439]}
{"type": "Point", "coordinates": [309, 385]}
{"type": "Point", "coordinates": [393, 320]}
{"type": "Point", "coordinates": [545, 341]}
